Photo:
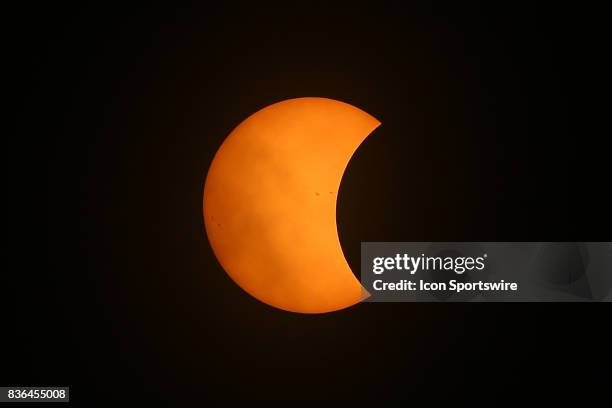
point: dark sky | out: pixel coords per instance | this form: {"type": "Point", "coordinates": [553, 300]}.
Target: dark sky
{"type": "Point", "coordinates": [494, 120]}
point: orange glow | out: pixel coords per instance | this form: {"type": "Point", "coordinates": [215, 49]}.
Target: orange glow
{"type": "Point", "coordinates": [270, 203]}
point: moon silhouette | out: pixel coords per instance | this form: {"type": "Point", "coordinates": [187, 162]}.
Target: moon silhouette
{"type": "Point", "coordinates": [270, 203]}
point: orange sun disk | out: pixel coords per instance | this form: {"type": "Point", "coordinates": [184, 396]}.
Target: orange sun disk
{"type": "Point", "coordinates": [270, 203]}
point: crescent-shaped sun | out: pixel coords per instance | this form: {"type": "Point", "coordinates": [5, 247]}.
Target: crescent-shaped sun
{"type": "Point", "coordinates": [270, 203]}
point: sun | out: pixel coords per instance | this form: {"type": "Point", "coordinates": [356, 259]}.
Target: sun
{"type": "Point", "coordinates": [270, 203]}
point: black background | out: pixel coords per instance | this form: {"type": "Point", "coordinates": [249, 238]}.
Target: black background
{"type": "Point", "coordinates": [494, 120]}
